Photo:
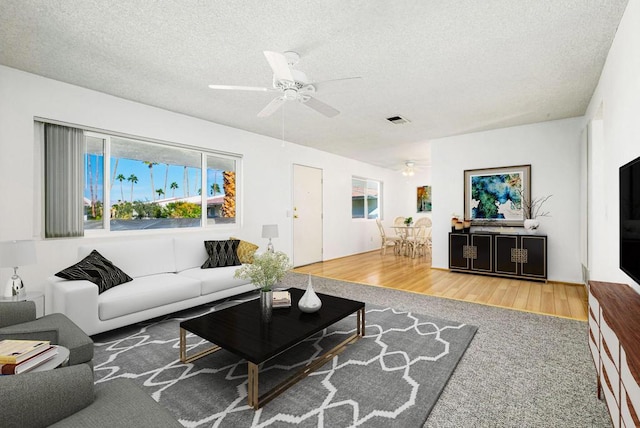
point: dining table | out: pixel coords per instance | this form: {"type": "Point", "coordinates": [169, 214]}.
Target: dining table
{"type": "Point", "coordinates": [406, 234]}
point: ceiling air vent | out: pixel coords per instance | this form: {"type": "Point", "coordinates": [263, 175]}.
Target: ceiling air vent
{"type": "Point", "coordinates": [398, 120]}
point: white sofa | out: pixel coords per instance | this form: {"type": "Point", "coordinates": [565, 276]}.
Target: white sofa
{"type": "Point", "coordinates": [166, 278]}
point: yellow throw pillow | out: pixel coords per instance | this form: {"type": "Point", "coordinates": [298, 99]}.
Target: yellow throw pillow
{"type": "Point", "coordinates": [245, 251]}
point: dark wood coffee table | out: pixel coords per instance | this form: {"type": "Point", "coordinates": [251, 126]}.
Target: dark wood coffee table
{"type": "Point", "coordinates": [240, 330]}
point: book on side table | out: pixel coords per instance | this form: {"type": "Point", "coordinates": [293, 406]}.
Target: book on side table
{"type": "Point", "coordinates": [16, 351]}
{"type": "Point", "coordinates": [30, 363]}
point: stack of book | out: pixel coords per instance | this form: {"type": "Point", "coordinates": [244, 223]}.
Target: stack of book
{"type": "Point", "coordinates": [281, 299]}
{"type": "Point", "coordinates": [20, 356]}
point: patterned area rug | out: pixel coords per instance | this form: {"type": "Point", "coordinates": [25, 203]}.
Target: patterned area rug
{"type": "Point", "coordinates": [391, 377]}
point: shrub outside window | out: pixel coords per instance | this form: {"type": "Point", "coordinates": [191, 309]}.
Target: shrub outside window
{"type": "Point", "coordinates": [163, 186]}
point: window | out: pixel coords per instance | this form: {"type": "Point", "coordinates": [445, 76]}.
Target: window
{"type": "Point", "coordinates": [221, 188]}
{"type": "Point", "coordinates": [129, 184]}
{"type": "Point", "coordinates": [365, 198]}
{"type": "Point", "coordinates": [93, 183]}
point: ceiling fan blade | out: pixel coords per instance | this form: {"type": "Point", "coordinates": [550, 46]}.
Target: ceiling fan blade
{"type": "Point", "coordinates": [241, 88]}
{"type": "Point", "coordinates": [279, 65]}
{"type": "Point", "coordinates": [271, 107]}
{"type": "Point", "coordinates": [321, 107]}
{"type": "Point", "coordinates": [323, 82]}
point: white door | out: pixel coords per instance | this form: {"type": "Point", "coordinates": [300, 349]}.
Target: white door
{"type": "Point", "coordinates": [307, 215]}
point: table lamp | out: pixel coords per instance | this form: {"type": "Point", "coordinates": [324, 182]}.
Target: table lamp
{"type": "Point", "coordinates": [14, 254]}
{"type": "Point", "coordinates": [270, 231]}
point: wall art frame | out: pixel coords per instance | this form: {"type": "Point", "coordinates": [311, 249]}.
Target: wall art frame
{"type": "Point", "coordinates": [423, 199]}
{"type": "Point", "coordinates": [493, 196]}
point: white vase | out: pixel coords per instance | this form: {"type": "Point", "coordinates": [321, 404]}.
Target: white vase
{"type": "Point", "coordinates": [309, 302]}
{"type": "Point", "coordinates": [531, 225]}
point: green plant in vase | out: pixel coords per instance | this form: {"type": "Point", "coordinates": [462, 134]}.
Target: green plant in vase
{"type": "Point", "coordinates": [408, 221]}
{"type": "Point", "coordinates": [266, 270]}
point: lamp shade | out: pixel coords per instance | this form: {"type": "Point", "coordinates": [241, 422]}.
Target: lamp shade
{"type": "Point", "coordinates": [270, 231]}
{"type": "Point", "coordinates": [17, 253]}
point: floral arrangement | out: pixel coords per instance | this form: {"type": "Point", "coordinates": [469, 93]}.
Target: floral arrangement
{"type": "Point", "coordinates": [408, 221]}
{"type": "Point", "coordinates": [266, 270]}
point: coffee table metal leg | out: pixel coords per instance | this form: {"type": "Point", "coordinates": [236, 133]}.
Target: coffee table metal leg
{"type": "Point", "coordinates": [252, 387]}
{"type": "Point", "coordinates": [183, 349]}
{"type": "Point", "coordinates": [256, 401]}
{"type": "Point", "coordinates": [360, 322]}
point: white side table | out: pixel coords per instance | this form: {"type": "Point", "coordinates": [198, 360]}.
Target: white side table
{"type": "Point", "coordinates": [60, 359]}
{"type": "Point", "coordinates": [34, 296]}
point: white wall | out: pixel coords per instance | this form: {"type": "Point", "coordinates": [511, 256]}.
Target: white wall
{"type": "Point", "coordinates": [265, 183]}
{"type": "Point", "coordinates": [408, 206]}
{"type": "Point", "coordinates": [618, 93]}
{"type": "Point", "coordinates": [551, 148]}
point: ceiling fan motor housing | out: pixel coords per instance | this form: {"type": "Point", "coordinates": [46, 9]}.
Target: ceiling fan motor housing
{"type": "Point", "coordinates": [301, 80]}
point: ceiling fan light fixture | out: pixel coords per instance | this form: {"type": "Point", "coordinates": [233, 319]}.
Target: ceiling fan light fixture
{"type": "Point", "coordinates": [408, 171]}
{"type": "Point", "coordinates": [290, 94]}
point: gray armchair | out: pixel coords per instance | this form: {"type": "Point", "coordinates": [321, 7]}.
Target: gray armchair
{"type": "Point", "coordinates": [18, 321]}
{"type": "Point", "coordinates": [67, 397]}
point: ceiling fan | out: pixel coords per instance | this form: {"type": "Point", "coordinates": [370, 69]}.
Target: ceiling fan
{"type": "Point", "coordinates": [411, 168]}
{"type": "Point", "coordinates": [292, 84]}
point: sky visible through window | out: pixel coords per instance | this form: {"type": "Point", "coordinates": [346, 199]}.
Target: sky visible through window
{"type": "Point", "coordinates": [181, 181]}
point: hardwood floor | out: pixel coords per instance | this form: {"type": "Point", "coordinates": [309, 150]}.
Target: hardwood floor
{"type": "Point", "coordinates": [416, 275]}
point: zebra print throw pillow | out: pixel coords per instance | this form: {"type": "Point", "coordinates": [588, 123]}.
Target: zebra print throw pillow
{"type": "Point", "coordinates": [221, 253]}
{"type": "Point", "coordinates": [97, 269]}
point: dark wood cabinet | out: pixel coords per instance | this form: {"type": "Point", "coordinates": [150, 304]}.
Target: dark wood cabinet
{"type": "Point", "coordinates": [458, 251]}
{"type": "Point", "coordinates": [521, 256]}
{"type": "Point", "coordinates": [482, 252]}
{"type": "Point", "coordinates": [507, 254]}
{"type": "Point", "coordinates": [534, 256]}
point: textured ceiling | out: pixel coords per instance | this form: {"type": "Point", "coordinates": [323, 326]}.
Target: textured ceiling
{"type": "Point", "coordinates": [450, 67]}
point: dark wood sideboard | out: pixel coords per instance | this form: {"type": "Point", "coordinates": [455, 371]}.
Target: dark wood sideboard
{"type": "Point", "coordinates": [489, 253]}
{"type": "Point", "coordinates": [614, 341]}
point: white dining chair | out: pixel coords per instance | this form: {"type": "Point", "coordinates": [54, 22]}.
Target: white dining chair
{"type": "Point", "coordinates": [420, 241]}
{"type": "Point", "coordinates": [387, 241]}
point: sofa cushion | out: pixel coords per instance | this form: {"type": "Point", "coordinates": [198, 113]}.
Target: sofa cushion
{"type": "Point", "coordinates": [214, 279]}
{"type": "Point", "coordinates": [39, 399]}
{"type": "Point", "coordinates": [17, 312]}
{"type": "Point", "coordinates": [139, 257]}
{"type": "Point", "coordinates": [246, 250]}
{"type": "Point", "coordinates": [221, 254]}
{"type": "Point", "coordinates": [121, 403]}
{"type": "Point", "coordinates": [145, 293]}
{"type": "Point", "coordinates": [97, 269]}
{"type": "Point", "coordinates": [189, 252]}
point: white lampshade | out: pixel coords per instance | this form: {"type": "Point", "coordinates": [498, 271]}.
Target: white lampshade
{"type": "Point", "coordinates": [17, 253]}
{"type": "Point", "coordinates": [270, 231]}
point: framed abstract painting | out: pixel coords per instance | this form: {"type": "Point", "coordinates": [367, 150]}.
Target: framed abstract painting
{"type": "Point", "coordinates": [493, 196]}
{"type": "Point", "coordinates": [424, 199]}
